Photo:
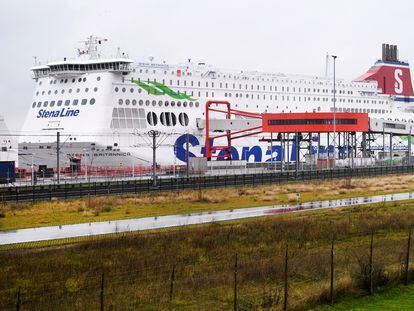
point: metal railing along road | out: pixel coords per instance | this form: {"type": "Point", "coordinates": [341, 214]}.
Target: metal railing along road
{"type": "Point", "coordinates": [138, 186]}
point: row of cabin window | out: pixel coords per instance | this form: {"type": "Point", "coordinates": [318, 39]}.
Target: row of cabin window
{"type": "Point", "coordinates": [67, 80]}
{"type": "Point", "coordinates": [161, 103]}
{"type": "Point", "coordinates": [59, 103]}
{"type": "Point", "coordinates": [95, 89]}
{"type": "Point", "coordinates": [252, 78]}
{"type": "Point", "coordinates": [363, 110]}
{"type": "Point", "coordinates": [271, 87]}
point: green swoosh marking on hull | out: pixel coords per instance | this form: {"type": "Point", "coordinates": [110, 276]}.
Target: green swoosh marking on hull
{"type": "Point", "coordinates": [148, 88]}
{"type": "Point", "coordinates": [161, 89]}
{"type": "Point", "coordinates": [170, 92]}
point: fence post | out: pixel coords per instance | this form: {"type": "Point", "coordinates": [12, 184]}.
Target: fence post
{"type": "Point", "coordinates": [18, 300]}
{"type": "Point", "coordinates": [235, 284]}
{"type": "Point", "coordinates": [371, 265]}
{"type": "Point", "coordinates": [285, 299]}
{"type": "Point", "coordinates": [172, 278]}
{"type": "Point", "coordinates": [332, 273]}
{"type": "Point", "coordinates": [407, 258]}
{"type": "Point", "coordinates": [102, 291]}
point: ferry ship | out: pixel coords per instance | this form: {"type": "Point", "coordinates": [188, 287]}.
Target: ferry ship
{"type": "Point", "coordinates": [104, 108]}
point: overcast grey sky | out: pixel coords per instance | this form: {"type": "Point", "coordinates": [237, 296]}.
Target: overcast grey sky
{"type": "Point", "coordinates": [274, 36]}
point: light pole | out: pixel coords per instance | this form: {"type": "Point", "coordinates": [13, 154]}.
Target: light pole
{"type": "Point", "coordinates": [334, 109]}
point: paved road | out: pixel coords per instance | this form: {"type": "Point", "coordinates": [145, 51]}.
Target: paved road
{"type": "Point", "coordinates": [147, 223]}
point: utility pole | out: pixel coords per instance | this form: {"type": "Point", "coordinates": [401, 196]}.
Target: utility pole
{"type": "Point", "coordinates": [187, 144]}
{"type": "Point", "coordinates": [57, 156]}
{"type": "Point", "coordinates": [154, 134]}
{"type": "Point", "coordinates": [334, 108]}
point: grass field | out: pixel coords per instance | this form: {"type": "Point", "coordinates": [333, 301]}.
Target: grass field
{"type": "Point", "coordinates": [138, 267]}
{"type": "Point", "coordinates": [398, 298]}
{"type": "Point", "coordinates": [25, 215]}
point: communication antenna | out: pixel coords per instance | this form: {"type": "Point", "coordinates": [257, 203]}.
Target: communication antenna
{"type": "Point", "coordinates": [92, 44]}
{"type": "Point", "coordinates": [327, 65]}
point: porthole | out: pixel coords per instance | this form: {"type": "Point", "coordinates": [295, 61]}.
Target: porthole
{"type": "Point", "coordinates": [34, 105]}
{"type": "Point", "coordinates": [190, 104]}
{"type": "Point", "coordinates": [123, 89]}
{"type": "Point", "coordinates": [52, 103]}
{"type": "Point", "coordinates": [45, 104]}
{"type": "Point", "coordinates": [70, 91]}
{"type": "Point", "coordinates": [86, 90]}
{"type": "Point", "coordinates": [120, 101]}
{"type": "Point", "coordinates": [178, 104]}
{"type": "Point", "coordinates": [84, 101]}
{"type": "Point", "coordinates": [95, 89]}
{"type": "Point", "coordinates": [154, 103]}
{"type": "Point", "coordinates": [77, 90]}
{"type": "Point", "coordinates": [167, 103]}
{"type": "Point", "coordinates": [84, 79]}
{"type": "Point", "coordinates": [183, 119]}
{"type": "Point", "coordinates": [147, 102]}
{"type": "Point", "coordinates": [172, 104]}
{"type": "Point", "coordinates": [139, 90]}
{"type": "Point", "coordinates": [184, 104]}
{"type": "Point", "coordinates": [98, 79]}
{"type": "Point", "coordinates": [197, 104]}
{"type": "Point", "coordinates": [152, 118]}
{"type": "Point", "coordinates": [160, 103]}
{"type": "Point", "coordinates": [116, 89]}
{"type": "Point", "coordinates": [75, 102]}
{"type": "Point", "coordinates": [40, 83]}
{"type": "Point", "coordinates": [141, 102]}
{"type": "Point", "coordinates": [43, 93]}
{"type": "Point", "coordinates": [63, 91]}
{"type": "Point", "coordinates": [134, 102]}
{"type": "Point", "coordinates": [127, 102]}
{"type": "Point", "coordinates": [73, 80]}
{"type": "Point", "coordinates": [92, 101]}
{"type": "Point", "coordinates": [67, 102]}
{"type": "Point", "coordinates": [48, 93]}
{"type": "Point", "coordinates": [56, 91]}
{"type": "Point", "coordinates": [37, 93]}
{"type": "Point", "coordinates": [131, 90]}
{"type": "Point", "coordinates": [39, 104]}
{"type": "Point", "coordinates": [59, 103]}
{"type": "Point", "coordinates": [80, 80]}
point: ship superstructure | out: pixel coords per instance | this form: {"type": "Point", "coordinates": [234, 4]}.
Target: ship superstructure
{"type": "Point", "coordinates": [103, 108]}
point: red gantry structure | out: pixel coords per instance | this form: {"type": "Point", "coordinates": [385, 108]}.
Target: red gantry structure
{"type": "Point", "coordinates": [256, 123]}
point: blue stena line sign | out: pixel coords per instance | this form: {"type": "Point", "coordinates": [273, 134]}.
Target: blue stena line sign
{"type": "Point", "coordinates": [64, 112]}
{"type": "Point", "coordinates": [248, 153]}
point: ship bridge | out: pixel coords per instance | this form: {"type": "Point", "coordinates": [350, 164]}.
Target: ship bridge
{"type": "Point", "coordinates": [89, 60]}
{"type": "Point", "coordinates": [76, 68]}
